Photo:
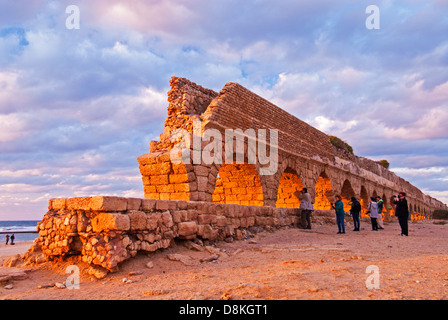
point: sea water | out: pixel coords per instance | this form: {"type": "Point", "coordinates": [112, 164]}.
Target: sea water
{"type": "Point", "coordinates": [12, 226]}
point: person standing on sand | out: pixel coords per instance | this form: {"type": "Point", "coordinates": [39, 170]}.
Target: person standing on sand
{"type": "Point", "coordinates": [7, 239]}
{"type": "Point", "coordinates": [402, 212]}
{"type": "Point", "coordinates": [338, 206]}
{"type": "Point", "coordinates": [379, 220]}
{"type": "Point", "coordinates": [355, 210]}
{"type": "Point", "coordinates": [306, 206]}
{"type": "Point", "coordinates": [373, 211]}
{"type": "Point", "coordinates": [12, 239]}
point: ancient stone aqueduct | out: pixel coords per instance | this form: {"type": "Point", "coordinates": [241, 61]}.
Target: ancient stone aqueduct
{"type": "Point", "coordinates": [219, 200]}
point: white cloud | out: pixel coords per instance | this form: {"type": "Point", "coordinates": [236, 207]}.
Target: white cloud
{"type": "Point", "coordinates": [13, 127]}
{"type": "Point", "coordinates": [333, 126]}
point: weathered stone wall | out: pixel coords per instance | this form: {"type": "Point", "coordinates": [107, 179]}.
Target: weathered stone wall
{"type": "Point", "coordinates": [105, 231]}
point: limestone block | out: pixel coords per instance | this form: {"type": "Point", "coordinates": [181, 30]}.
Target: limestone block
{"type": "Point", "coordinates": [202, 183]}
{"type": "Point", "coordinates": [206, 219]}
{"type": "Point", "coordinates": [108, 203]}
{"type": "Point", "coordinates": [110, 221]}
{"type": "Point", "coordinates": [148, 158]}
{"type": "Point", "coordinates": [207, 232]}
{"type": "Point", "coordinates": [180, 195]}
{"type": "Point", "coordinates": [134, 203]}
{"type": "Point", "coordinates": [202, 171]}
{"type": "Point", "coordinates": [221, 221]}
{"type": "Point", "coordinates": [156, 180]}
{"type": "Point", "coordinates": [153, 219]}
{"type": "Point", "coordinates": [155, 169]}
{"type": "Point", "coordinates": [82, 222]}
{"type": "Point", "coordinates": [82, 203]}
{"type": "Point", "coordinates": [167, 219]}
{"type": "Point", "coordinates": [180, 178]}
{"type": "Point", "coordinates": [56, 204]}
{"type": "Point", "coordinates": [229, 230]}
{"type": "Point", "coordinates": [137, 220]}
{"type": "Point", "coordinates": [166, 205]}
{"type": "Point", "coordinates": [148, 204]}
{"type": "Point", "coordinates": [187, 228]}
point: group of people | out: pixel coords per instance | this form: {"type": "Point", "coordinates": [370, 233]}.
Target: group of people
{"type": "Point", "coordinates": [375, 209]}
{"type": "Point", "coordinates": [10, 238]}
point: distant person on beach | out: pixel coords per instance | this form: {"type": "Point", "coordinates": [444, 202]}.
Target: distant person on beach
{"type": "Point", "coordinates": [306, 206]}
{"type": "Point", "coordinates": [12, 239]}
{"type": "Point", "coordinates": [338, 206]}
{"type": "Point", "coordinates": [402, 212]}
{"type": "Point", "coordinates": [355, 210]}
{"type": "Point", "coordinates": [373, 212]}
{"type": "Point", "coordinates": [7, 239]}
{"type": "Point", "coordinates": [380, 204]}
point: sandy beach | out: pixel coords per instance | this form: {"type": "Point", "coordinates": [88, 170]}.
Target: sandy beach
{"type": "Point", "coordinates": [17, 248]}
{"type": "Point", "coordinates": [286, 264]}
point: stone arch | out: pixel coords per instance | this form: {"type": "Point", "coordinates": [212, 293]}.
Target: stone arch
{"type": "Point", "coordinates": [364, 200]}
{"type": "Point", "coordinates": [289, 184]}
{"type": "Point", "coordinates": [392, 205]}
{"type": "Point", "coordinates": [323, 192]}
{"type": "Point", "coordinates": [346, 193]}
{"type": "Point", "coordinates": [386, 204]}
{"type": "Point", "coordinates": [238, 184]}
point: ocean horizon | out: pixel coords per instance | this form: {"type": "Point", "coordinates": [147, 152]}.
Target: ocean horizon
{"type": "Point", "coordinates": [13, 226]}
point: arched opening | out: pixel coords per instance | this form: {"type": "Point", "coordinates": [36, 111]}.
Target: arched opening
{"type": "Point", "coordinates": [238, 184]}
{"type": "Point", "coordinates": [385, 204]}
{"type": "Point", "coordinates": [323, 193]}
{"type": "Point", "coordinates": [364, 200]}
{"type": "Point", "coordinates": [392, 206]}
{"type": "Point", "coordinates": [288, 185]}
{"type": "Point", "coordinates": [346, 194]}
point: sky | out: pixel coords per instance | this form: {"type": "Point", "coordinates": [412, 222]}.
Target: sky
{"type": "Point", "coordinates": [79, 105]}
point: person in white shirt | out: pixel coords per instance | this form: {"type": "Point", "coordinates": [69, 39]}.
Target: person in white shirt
{"type": "Point", "coordinates": [306, 208]}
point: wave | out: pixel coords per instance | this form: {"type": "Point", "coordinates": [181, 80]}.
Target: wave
{"type": "Point", "coordinates": [14, 226]}
{"type": "Point", "coordinates": [17, 228]}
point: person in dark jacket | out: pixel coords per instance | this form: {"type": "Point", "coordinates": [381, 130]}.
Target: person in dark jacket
{"type": "Point", "coordinates": [355, 210]}
{"type": "Point", "coordinates": [338, 206]}
{"type": "Point", "coordinates": [402, 212]}
{"type": "Point", "coordinates": [379, 220]}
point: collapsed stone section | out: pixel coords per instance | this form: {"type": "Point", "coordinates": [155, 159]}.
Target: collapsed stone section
{"type": "Point", "coordinates": [105, 231]}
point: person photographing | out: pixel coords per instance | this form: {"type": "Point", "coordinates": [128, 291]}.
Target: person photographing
{"type": "Point", "coordinates": [402, 212]}
{"type": "Point", "coordinates": [306, 208]}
